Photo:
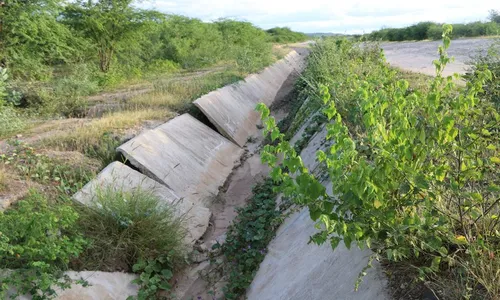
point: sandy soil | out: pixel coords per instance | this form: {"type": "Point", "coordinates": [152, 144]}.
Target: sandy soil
{"type": "Point", "coordinates": [418, 56]}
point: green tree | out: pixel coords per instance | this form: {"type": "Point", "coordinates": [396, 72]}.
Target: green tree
{"type": "Point", "coordinates": [494, 16]}
{"type": "Point", "coordinates": [106, 23]}
{"type": "Point", "coordinates": [31, 37]}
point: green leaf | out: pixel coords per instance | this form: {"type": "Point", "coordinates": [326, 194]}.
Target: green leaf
{"type": "Point", "coordinates": [334, 242]}
{"type": "Point", "coordinates": [495, 160]}
{"type": "Point", "coordinates": [167, 273]}
{"type": "Point", "coordinates": [436, 261]}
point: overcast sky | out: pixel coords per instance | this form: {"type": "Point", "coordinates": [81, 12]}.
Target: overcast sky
{"type": "Point", "coordinates": [344, 16]}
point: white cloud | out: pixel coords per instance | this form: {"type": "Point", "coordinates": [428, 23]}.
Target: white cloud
{"type": "Point", "coordinates": [330, 16]}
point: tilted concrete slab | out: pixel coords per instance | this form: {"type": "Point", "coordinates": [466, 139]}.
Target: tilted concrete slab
{"type": "Point", "coordinates": [186, 155]}
{"type": "Point", "coordinates": [296, 270]}
{"type": "Point", "coordinates": [225, 109]}
{"type": "Point", "coordinates": [232, 108]}
{"type": "Point", "coordinates": [120, 177]}
{"type": "Point", "coordinates": [102, 285]}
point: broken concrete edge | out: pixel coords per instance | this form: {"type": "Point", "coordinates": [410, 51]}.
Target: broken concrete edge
{"type": "Point", "coordinates": [90, 285]}
{"type": "Point", "coordinates": [186, 155]}
{"type": "Point", "coordinates": [121, 178]}
{"type": "Point", "coordinates": [231, 109]}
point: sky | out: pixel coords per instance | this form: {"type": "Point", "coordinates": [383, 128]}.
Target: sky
{"type": "Point", "coordinates": [336, 16]}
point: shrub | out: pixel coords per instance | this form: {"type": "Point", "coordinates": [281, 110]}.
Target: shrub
{"type": "Point", "coordinates": [286, 35]}
{"type": "Point", "coordinates": [10, 121]}
{"type": "Point", "coordinates": [491, 62]}
{"type": "Point", "coordinates": [133, 231]}
{"type": "Point", "coordinates": [415, 174]}
{"type": "Point", "coordinates": [37, 241]}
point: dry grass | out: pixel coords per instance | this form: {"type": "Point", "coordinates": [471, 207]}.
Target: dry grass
{"type": "Point", "coordinates": [177, 94]}
{"type": "Point", "coordinates": [92, 133]}
{"type": "Point", "coordinates": [3, 179]}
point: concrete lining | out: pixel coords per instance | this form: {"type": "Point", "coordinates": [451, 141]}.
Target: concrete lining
{"type": "Point", "coordinates": [232, 108]}
{"type": "Point", "coordinates": [120, 177]}
{"type": "Point", "coordinates": [186, 155]}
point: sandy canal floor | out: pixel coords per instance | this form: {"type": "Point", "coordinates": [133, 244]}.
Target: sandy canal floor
{"type": "Point", "coordinates": [418, 56]}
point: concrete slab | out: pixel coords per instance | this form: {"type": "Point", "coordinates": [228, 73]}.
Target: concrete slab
{"type": "Point", "coordinates": [185, 155]}
{"type": "Point", "coordinates": [296, 270]}
{"type": "Point", "coordinates": [231, 112]}
{"type": "Point", "coordinates": [102, 285]}
{"type": "Point", "coordinates": [120, 177]}
{"type": "Point", "coordinates": [232, 108]}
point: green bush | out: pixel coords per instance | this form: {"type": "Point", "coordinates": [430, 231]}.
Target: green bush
{"type": "Point", "coordinates": [286, 35]}
{"type": "Point", "coordinates": [37, 242]}
{"type": "Point", "coordinates": [133, 231]}
{"type": "Point", "coordinates": [431, 30]}
{"type": "Point", "coordinates": [491, 62]}
{"type": "Point", "coordinates": [10, 122]}
{"type": "Point", "coordinates": [414, 173]}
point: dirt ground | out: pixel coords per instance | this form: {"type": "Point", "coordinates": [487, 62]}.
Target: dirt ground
{"type": "Point", "coordinates": [418, 56]}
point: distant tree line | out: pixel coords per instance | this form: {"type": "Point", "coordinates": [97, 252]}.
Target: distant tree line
{"type": "Point", "coordinates": [39, 38]}
{"type": "Point", "coordinates": [433, 31]}
{"type": "Point", "coordinates": [286, 35]}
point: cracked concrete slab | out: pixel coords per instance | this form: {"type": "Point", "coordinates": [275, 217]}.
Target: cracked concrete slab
{"type": "Point", "coordinates": [185, 155]}
{"type": "Point", "coordinates": [232, 108]}
{"type": "Point", "coordinates": [120, 177]}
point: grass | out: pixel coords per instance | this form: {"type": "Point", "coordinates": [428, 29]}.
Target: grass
{"type": "Point", "coordinates": [10, 122]}
{"type": "Point", "coordinates": [99, 137]}
{"type": "Point", "coordinates": [3, 179]}
{"type": "Point", "coordinates": [178, 93]}
{"type": "Point", "coordinates": [126, 227]}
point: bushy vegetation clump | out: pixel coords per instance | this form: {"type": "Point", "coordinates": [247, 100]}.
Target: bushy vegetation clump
{"type": "Point", "coordinates": [489, 61]}
{"type": "Point", "coordinates": [415, 173]}
{"type": "Point", "coordinates": [432, 30]}
{"type": "Point", "coordinates": [286, 35]}
{"type": "Point", "coordinates": [58, 53]}
{"type": "Point", "coordinates": [37, 242]}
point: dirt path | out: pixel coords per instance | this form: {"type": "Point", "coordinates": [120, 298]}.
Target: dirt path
{"type": "Point", "coordinates": [418, 56]}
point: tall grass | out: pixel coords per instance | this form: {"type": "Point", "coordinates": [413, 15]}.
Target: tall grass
{"type": "Point", "coordinates": [3, 178]}
{"type": "Point", "coordinates": [124, 227]}
{"type": "Point", "coordinates": [99, 137]}
{"type": "Point", "coordinates": [178, 93]}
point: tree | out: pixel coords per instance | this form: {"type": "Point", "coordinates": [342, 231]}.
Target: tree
{"type": "Point", "coordinates": [105, 23]}
{"type": "Point", "coordinates": [494, 16]}
{"type": "Point", "coordinates": [31, 37]}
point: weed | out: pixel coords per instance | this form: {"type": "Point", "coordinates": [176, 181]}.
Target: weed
{"type": "Point", "coordinates": [37, 252]}
{"type": "Point", "coordinates": [10, 122]}
{"type": "Point", "coordinates": [310, 130]}
{"type": "Point", "coordinates": [247, 239]}
{"type": "Point", "coordinates": [414, 173]}
{"type": "Point", "coordinates": [65, 178]}
{"type": "Point", "coordinates": [3, 179]}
